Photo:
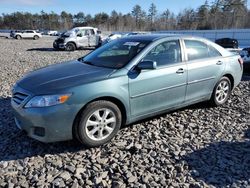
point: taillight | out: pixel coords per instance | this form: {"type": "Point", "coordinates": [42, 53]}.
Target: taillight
{"type": "Point", "coordinates": [240, 60]}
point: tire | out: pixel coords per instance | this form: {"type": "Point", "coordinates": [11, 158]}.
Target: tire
{"type": "Point", "coordinates": [70, 47]}
{"type": "Point", "coordinates": [99, 44]}
{"type": "Point", "coordinates": [36, 37]}
{"type": "Point", "coordinates": [55, 46]}
{"type": "Point", "coordinates": [92, 128]}
{"type": "Point", "coordinates": [221, 92]}
{"type": "Point", "coordinates": [18, 37]}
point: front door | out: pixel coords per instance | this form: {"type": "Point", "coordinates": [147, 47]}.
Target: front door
{"type": "Point", "coordinates": [82, 38]}
{"type": "Point", "coordinates": [161, 88]}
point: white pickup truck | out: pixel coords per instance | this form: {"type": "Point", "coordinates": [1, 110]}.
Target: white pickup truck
{"type": "Point", "coordinates": [78, 37]}
{"type": "Point", "coordinates": [25, 34]}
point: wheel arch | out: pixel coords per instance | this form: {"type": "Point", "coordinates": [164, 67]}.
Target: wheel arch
{"type": "Point", "coordinates": [73, 42]}
{"type": "Point", "coordinates": [18, 35]}
{"type": "Point", "coordinates": [114, 100]}
{"type": "Point", "coordinates": [231, 78]}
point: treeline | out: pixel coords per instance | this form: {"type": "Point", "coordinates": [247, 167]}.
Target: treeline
{"type": "Point", "coordinates": [220, 14]}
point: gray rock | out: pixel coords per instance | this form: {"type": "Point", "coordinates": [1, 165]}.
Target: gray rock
{"type": "Point", "coordinates": [132, 179]}
{"type": "Point", "coordinates": [79, 171]}
{"type": "Point", "coordinates": [56, 182]}
{"type": "Point", "coordinates": [65, 175]}
{"type": "Point", "coordinates": [3, 164]}
{"type": "Point", "coordinates": [71, 169]}
{"type": "Point", "coordinates": [104, 174]}
{"type": "Point", "coordinates": [75, 185]}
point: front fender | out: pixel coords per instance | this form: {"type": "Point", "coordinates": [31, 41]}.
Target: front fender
{"type": "Point", "coordinates": [115, 87]}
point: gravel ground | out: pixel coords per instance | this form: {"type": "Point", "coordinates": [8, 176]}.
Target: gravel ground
{"type": "Point", "coordinates": [197, 146]}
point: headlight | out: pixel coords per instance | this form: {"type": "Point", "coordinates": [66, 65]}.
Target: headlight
{"type": "Point", "coordinates": [47, 100]}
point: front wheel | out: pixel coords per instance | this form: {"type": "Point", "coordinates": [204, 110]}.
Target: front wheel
{"type": "Point", "coordinates": [221, 92]}
{"type": "Point", "coordinates": [70, 47]}
{"type": "Point", "coordinates": [99, 123]}
{"type": "Point", "coordinates": [18, 37]}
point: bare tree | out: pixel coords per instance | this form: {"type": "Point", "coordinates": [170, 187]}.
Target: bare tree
{"type": "Point", "coordinates": [220, 14]}
{"type": "Point", "coordinates": [152, 12]}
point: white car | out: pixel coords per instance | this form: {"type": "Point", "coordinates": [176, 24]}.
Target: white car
{"type": "Point", "coordinates": [26, 34]}
{"type": "Point", "coordinates": [52, 33]}
{"type": "Point", "coordinates": [114, 36]}
{"type": "Point", "coordinates": [111, 37]}
{"type": "Point", "coordinates": [78, 37]}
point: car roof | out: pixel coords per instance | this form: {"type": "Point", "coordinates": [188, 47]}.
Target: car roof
{"type": "Point", "coordinates": [152, 37]}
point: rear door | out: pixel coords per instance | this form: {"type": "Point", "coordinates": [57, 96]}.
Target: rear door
{"type": "Point", "coordinates": [205, 66]}
{"type": "Point", "coordinates": [29, 34]}
{"type": "Point", "coordinates": [92, 37]}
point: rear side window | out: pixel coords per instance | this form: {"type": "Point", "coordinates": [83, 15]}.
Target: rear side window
{"type": "Point", "coordinates": [196, 50]}
{"type": "Point", "coordinates": [213, 52]}
{"type": "Point", "coordinates": [92, 32]}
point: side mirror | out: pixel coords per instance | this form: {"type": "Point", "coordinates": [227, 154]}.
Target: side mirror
{"type": "Point", "coordinates": [147, 65]}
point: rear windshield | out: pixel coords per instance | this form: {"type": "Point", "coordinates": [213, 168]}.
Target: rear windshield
{"type": "Point", "coordinates": [116, 54]}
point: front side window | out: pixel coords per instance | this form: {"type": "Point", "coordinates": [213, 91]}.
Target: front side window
{"type": "Point", "coordinates": [115, 54]}
{"type": "Point", "coordinates": [196, 50]}
{"type": "Point", "coordinates": [81, 32]}
{"type": "Point", "coordinates": [165, 53]}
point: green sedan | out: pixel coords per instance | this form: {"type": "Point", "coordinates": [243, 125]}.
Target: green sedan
{"type": "Point", "coordinates": [124, 81]}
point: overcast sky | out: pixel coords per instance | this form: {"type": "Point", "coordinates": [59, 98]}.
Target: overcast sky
{"type": "Point", "coordinates": [94, 6]}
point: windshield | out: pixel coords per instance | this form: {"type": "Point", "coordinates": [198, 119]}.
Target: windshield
{"type": "Point", "coordinates": [116, 54]}
{"type": "Point", "coordinates": [68, 33]}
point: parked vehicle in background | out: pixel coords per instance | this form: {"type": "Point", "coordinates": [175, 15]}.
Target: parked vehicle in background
{"type": "Point", "coordinates": [135, 33]}
{"type": "Point", "coordinates": [12, 32]}
{"type": "Point", "coordinates": [245, 54]}
{"type": "Point", "coordinates": [122, 82]}
{"type": "Point", "coordinates": [78, 37]}
{"type": "Point", "coordinates": [111, 37]}
{"type": "Point", "coordinates": [21, 34]}
{"type": "Point", "coordinates": [52, 33]}
{"type": "Point", "coordinates": [115, 36]}
{"type": "Point", "coordinates": [227, 43]}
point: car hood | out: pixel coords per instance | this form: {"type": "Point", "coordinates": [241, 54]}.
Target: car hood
{"type": "Point", "coordinates": [62, 76]}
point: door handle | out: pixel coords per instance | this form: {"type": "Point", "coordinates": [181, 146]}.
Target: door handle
{"type": "Point", "coordinates": [219, 63]}
{"type": "Point", "coordinates": [180, 71]}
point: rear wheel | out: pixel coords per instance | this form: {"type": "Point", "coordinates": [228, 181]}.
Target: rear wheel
{"type": "Point", "coordinates": [18, 37]}
{"type": "Point", "coordinates": [70, 46]}
{"type": "Point", "coordinates": [99, 123]}
{"type": "Point", "coordinates": [222, 91]}
{"type": "Point", "coordinates": [36, 37]}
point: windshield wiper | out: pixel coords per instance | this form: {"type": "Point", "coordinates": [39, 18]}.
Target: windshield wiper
{"type": "Point", "coordinates": [86, 62]}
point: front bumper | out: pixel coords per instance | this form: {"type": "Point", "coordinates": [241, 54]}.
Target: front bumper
{"type": "Point", "coordinates": [47, 124]}
{"type": "Point", "coordinates": [58, 45]}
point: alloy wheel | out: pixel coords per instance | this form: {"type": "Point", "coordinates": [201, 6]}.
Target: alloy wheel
{"type": "Point", "coordinates": [100, 124]}
{"type": "Point", "coordinates": [222, 91]}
